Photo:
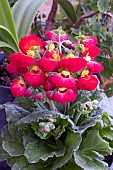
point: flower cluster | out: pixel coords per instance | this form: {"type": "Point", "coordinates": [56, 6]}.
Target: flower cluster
{"type": "Point", "coordinates": [55, 69]}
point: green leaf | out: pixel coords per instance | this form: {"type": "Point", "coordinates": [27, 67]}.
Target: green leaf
{"type": "Point", "coordinates": [11, 161]}
{"type": "Point", "coordinates": [24, 13]}
{"type": "Point", "coordinates": [103, 35]}
{"type": "Point", "coordinates": [94, 142]}
{"type": "Point", "coordinates": [36, 116]}
{"type": "Point", "coordinates": [107, 72]}
{"type": "Point", "coordinates": [7, 36]}
{"type": "Point", "coordinates": [59, 162]}
{"type": "Point", "coordinates": [68, 8]}
{"type": "Point", "coordinates": [38, 149]}
{"type": "Point", "coordinates": [45, 115]}
{"type": "Point", "coordinates": [94, 6]}
{"type": "Point", "coordinates": [28, 136]}
{"type": "Point", "coordinates": [73, 140]}
{"type": "Point", "coordinates": [6, 48]}
{"type": "Point", "coordinates": [108, 89]}
{"type": "Point", "coordinates": [106, 133]}
{"type": "Point", "coordinates": [71, 165]}
{"type": "Point", "coordinates": [20, 163]}
{"type": "Point", "coordinates": [75, 31]}
{"type": "Point", "coordinates": [87, 163]}
{"type": "Point", "coordinates": [5, 134]}
{"type": "Point", "coordinates": [111, 63]}
{"type": "Point", "coordinates": [103, 5]}
{"type": "Point", "coordinates": [6, 18]}
{"type": "Point", "coordinates": [14, 112]}
{"type": "Point", "coordinates": [3, 153]}
{"type": "Point", "coordinates": [40, 132]}
{"type": "Point", "coordinates": [13, 148]}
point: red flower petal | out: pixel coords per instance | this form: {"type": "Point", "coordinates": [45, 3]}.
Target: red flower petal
{"type": "Point", "coordinates": [49, 95]}
{"type": "Point", "coordinates": [72, 64]}
{"type": "Point", "coordinates": [64, 37]}
{"type": "Point", "coordinates": [49, 85]}
{"type": "Point", "coordinates": [27, 42]}
{"type": "Point", "coordinates": [18, 88]}
{"type": "Point", "coordinates": [93, 51]}
{"type": "Point", "coordinates": [67, 96]}
{"type": "Point", "coordinates": [90, 40]}
{"type": "Point", "coordinates": [53, 55]}
{"type": "Point", "coordinates": [52, 36]}
{"type": "Point", "coordinates": [47, 64]}
{"type": "Point", "coordinates": [35, 78]}
{"type": "Point", "coordinates": [94, 67]}
{"type": "Point", "coordinates": [21, 59]}
{"type": "Point", "coordinates": [38, 96]}
{"type": "Point", "coordinates": [63, 81]}
{"type": "Point", "coordinates": [13, 68]}
{"type": "Point", "coordinates": [28, 93]}
{"type": "Point", "coordinates": [87, 83]}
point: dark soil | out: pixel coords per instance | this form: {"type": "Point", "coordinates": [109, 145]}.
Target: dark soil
{"type": "Point", "coordinates": [5, 77]}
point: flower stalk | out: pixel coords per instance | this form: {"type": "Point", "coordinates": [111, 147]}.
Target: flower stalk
{"type": "Point", "coordinates": [52, 106]}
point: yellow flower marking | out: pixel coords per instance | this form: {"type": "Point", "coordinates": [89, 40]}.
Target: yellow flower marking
{"type": "Point", "coordinates": [35, 68]}
{"type": "Point", "coordinates": [56, 56]}
{"type": "Point", "coordinates": [51, 47]}
{"type": "Point", "coordinates": [82, 47]}
{"type": "Point", "coordinates": [87, 58]}
{"type": "Point", "coordinates": [84, 73]}
{"type": "Point", "coordinates": [20, 83]}
{"type": "Point", "coordinates": [31, 53]}
{"type": "Point", "coordinates": [65, 73]}
{"type": "Point", "coordinates": [46, 74]}
{"type": "Point", "coordinates": [62, 89]}
{"type": "Point", "coordinates": [70, 56]}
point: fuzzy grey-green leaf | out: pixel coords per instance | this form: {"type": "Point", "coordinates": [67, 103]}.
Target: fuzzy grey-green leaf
{"type": "Point", "coordinates": [87, 163]}
{"type": "Point", "coordinates": [13, 148]}
{"type": "Point", "coordinates": [36, 150]}
{"type": "Point", "coordinates": [72, 142]}
{"type": "Point", "coordinates": [94, 142]}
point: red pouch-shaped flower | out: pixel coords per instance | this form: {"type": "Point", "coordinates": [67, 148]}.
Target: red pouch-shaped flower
{"type": "Point", "coordinates": [90, 40]}
{"type": "Point", "coordinates": [28, 42]}
{"type": "Point", "coordinates": [53, 36]}
{"type": "Point", "coordinates": [87, 82]}
{"type": "Point", "coordinates": [92, 50]}
{"type": "Point", "coordinates": [64, 79]}
{"type": "Point", "coordinates": [64, 95]}
{"type": "Point", "coordinates": [94, 67]}
{"type": "Point", "coordinates": [18, 88]}
{"type": "Point", "coordinates": [21, 59]}
{"type": "Point", "coordinates": [35, 77]}
{"type": "Point", "coordinates": [72, 64]}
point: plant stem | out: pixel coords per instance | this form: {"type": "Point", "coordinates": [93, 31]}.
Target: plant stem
{"type": "Point", "coordinates": [65, 108]}
{"type": "Point", "coordinates": [51, 17]}
{"type": "Point", "coordinates": [77, 117]}
{"type": "Point", "coordinates": [52, 106]}
{"type": "Point", "coordinates": [59, 43]}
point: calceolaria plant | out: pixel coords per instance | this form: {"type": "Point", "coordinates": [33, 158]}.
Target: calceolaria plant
{"type": "Point", "coordinates": [59, 119]}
